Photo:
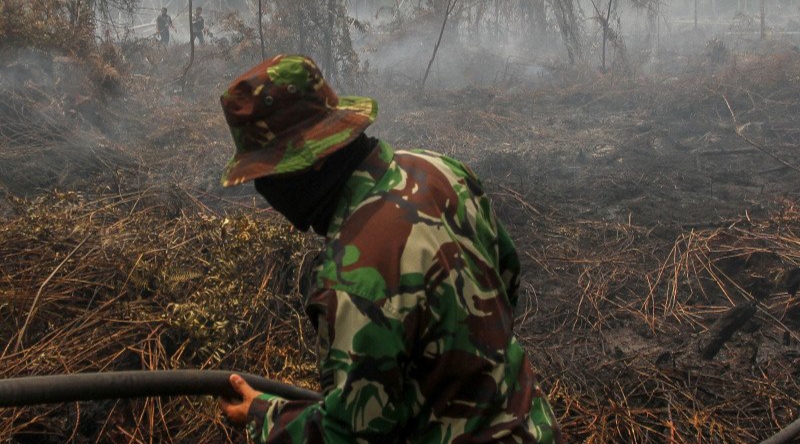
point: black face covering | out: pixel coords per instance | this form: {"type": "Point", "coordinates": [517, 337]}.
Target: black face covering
{"type": "Point", "coordinates": [308, 199]}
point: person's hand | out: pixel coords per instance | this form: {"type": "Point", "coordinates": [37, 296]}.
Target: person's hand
{"type": "Point", "coordinates": [236, 410]}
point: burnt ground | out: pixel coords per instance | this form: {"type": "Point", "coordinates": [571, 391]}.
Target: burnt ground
{"type": "Point", "coordinates": [650, 213]}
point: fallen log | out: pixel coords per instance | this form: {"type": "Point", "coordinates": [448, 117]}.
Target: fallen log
{"type": "Point", "coordinates": [724, 328]}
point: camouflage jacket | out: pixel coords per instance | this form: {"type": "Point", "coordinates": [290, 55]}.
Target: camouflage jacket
{"type": "Point", "coordinates": [413, 305]}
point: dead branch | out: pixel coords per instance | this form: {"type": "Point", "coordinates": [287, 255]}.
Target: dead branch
{"type": "Point", "coordinates": [451, 4]}
{"type": "Point", "coordinates": [35, 303]}
{"type": "Point", "coordinates": [739, 130]}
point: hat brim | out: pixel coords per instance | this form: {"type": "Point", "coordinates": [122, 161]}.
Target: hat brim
{"type": "Point", "coordinates": [305, 145]}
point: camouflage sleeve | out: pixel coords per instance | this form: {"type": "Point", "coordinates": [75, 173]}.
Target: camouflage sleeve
{"type": "Point", "coordinates": [360, 353]}
{"type": "Point", "coordinates": [509, 264]}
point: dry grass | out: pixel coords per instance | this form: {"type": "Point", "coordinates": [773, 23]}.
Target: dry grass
{"type": "Point", "coordinates": [141, 281]}
{"type": "Point", "coordinates": [621, 334]}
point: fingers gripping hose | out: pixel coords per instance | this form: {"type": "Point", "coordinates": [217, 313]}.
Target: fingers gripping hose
{"type": "Point", "coordinates": [17, 392]}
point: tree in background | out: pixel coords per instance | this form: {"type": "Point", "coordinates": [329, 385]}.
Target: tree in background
{"type": "Point", "coordinates": [66, 28]}
{"type": "Point", "coordinates": [567, 13]}
{"type": "Point", "coordinates": [318, 28]}
{"type": "Point", "coordinates": [68, 25]}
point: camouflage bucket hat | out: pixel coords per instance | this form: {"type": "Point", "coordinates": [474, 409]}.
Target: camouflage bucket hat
{"type": "Point", "coordinates": [284, 118]}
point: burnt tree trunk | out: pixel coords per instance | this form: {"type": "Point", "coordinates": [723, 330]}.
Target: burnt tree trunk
{"type": "Point", "coordinates": [261, 28]}
{"type": "Point", "coordinates": [191, 49]}
{"type": "Point", "coordinates": [329, 33]}
{"type": "Point", "coordinates": [329, 60]}
{"type": "Point", "coordinates": [539, 18]}
{"type": "Point", "coordinates": [497, 19]}
{"type": "Point", "coordinates": [605, 32]}
{"type": "Point", "coordinates": [569, 26]}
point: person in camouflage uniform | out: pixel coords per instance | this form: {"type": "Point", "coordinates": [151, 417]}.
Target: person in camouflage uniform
{"type": "Point", "coordinates": [413, 296]}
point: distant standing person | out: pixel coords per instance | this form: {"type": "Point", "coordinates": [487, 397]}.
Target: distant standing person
{"type": "Point", "coordinates": [163, 23]}
{"type": "Point", "coordinates": [198, 25]}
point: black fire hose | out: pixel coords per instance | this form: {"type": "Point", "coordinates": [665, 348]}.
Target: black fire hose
{"type": "Point", "coordinates": [786, 435]}
{"type": "Point", "coordinates": [18, 392]}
